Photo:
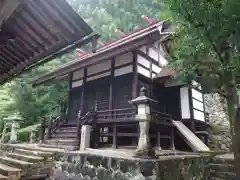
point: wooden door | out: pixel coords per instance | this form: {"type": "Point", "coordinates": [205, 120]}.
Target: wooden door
{"type": "Point", "coordinates": [97, 92]}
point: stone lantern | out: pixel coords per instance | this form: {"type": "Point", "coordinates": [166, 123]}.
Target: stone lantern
{"type": "Point", "coordinates": [142, 102]}
{"type": "Point", "coordinates": [13, 121]}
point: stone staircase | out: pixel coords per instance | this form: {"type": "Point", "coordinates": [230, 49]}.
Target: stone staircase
{"type": "Point", "coordinates": [25, 162]}
{"type": "Point", "coordinates": [64, 137]}
{"type": "Point", "coordinates": [222, 169]}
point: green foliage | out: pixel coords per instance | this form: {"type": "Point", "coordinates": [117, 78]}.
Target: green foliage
{"type": "Point", "coordinates": [33, 103]}
{"type": "Point", "coordinates": [23, 133]}
{"type": "Point", "coordinates": [207, 40]}
{"type": "Point", "coordinates": [104, 16]}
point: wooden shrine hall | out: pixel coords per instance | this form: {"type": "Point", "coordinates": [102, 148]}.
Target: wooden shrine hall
{"type": "Point", "coordinates": [104, 84]}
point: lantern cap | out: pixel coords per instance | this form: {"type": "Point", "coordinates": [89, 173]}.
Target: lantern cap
{"type": "Point", "coordinates": [14, 117]}
{"type": "Point", "coordinates": [142, 98]}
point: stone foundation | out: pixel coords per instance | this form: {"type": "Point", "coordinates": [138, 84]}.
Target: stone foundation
{"type": "Point", "coordinates": [91, 167]}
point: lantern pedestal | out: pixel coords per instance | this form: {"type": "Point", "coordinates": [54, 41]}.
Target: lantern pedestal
{"type": "Point", "coordinates": [142, 103]}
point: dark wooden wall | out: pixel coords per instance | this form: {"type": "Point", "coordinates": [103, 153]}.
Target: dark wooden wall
{"type": "Point", "coordinates": [168, 97]}
{"type": "Point", "coordinates": [122, 92]}
{"type": "Point", "coordinates": [173, 104]}
{"type": "Point", "coordinates": [74, 103]}
{"type": "Point", "coordinates": [155, 91]}
{"type": "Point", "coordinates": [97, 91]}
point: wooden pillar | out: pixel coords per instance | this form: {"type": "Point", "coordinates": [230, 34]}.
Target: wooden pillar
{"type": "Point", "coordinates": [95, 140]}
{"type": "Point", "coordinates": [114, 136]}
{"type": "Point", "coordinates": [159, 141]}
{"type": "Point", "coordinates": [94, 44]}
{"type": "Point", "coordinates": [135, 76]}
{"type": "Point", "coordinates": [42, 131]}
{"type": "Point", "coordinates": [49, 128]}
{"type": "Point", "coordinates": [81, 111]}
{"type": "Point", "coordinates": [69, 94]}
{"type": "Point", "coordinates": [135, 85]}
{"type": "Point", "coordinates": [193, 125]}
{"type": "Point", "coordinates": [82, 106]}
{"type": "Point", "coordinates": [111, 87]}
{"type": "Point", "coordinates": [111, 99]}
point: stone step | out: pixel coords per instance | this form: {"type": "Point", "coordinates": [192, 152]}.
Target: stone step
{"type": "Point", "coordinates": [223, 175]}
{"type": "Point", "coordinates": [223, 161]}
{"type": "Point", "coordinates": [10, 171]}
{"type": "Point", "coordinates": [214, 178]}
{"type": "Point", "coordinates": [71, 142]}
{"type": "Point", "coordinates": [2, 177]}
{"type": "Point", "coordinates": [23, 157]}
{"type": "Point", "coordinates": [55, 147]}
{"type": "Point", "coordinates": [34, 152]}
{"type": "Point", "coordinates": [33, 177]}
{"type": "Point", "coordinates": [64, 135]}
{"type": "Point", "coordinates": [15, 162]}
{"type": "Point", "coordinates": [222, 167]}
{"type": "Point", "coordinates": [66, 132]}
{"type": "Point", "coordinates": [69, 125]}
{"type": "Point", "coordinates": [67, 129]}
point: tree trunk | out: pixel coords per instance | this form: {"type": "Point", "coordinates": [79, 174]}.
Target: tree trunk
{"type": "Point", "coordinates": [234, 118]}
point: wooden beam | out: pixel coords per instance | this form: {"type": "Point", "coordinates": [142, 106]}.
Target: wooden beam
{"type": "Point", "coordinates": [34, 61]}
{"type": "Point", "coordinates": [7, 7]}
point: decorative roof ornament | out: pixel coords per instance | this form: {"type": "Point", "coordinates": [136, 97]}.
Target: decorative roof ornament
{"type": "Point", "coordinates": [120, 33]}
{"type": "Point", "coordinates": [101, 43]}
{"type": "Point", "coordinates": [147, 19]}
{"type": "Point", "coordinates": [80, 52]}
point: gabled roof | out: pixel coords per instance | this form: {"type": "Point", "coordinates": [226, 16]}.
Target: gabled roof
{"type": "Point", "coordinates": [33, 31]}
{"type": "Point", "coordinates": [165, 72]}
{"type": "Point", "coordinates": [126, 43]}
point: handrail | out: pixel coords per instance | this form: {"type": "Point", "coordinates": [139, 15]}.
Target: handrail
{"type": "Point", "coordinates": [111, 110]}
{"type": "Point", "coordinates": [53, 124]}
{"type": "Point", "coordinates": [82, 121]}
{"type": "Point", "coordinates": [161, 116]}
{"type": "Point", "coordinates": [85, 118]}
{"type": "Point", "coordinates": [155, 111]}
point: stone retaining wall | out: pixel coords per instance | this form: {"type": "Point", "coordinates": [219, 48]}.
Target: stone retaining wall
{"type": "Point", "coordinates": [91, 167]}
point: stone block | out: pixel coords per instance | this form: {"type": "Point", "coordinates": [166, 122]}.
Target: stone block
{"type": "Point", "coordinates": [85, 137]}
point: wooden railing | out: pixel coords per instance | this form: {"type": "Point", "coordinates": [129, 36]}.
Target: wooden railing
{"type": "Point", "coordinates": [116, 115]}
{"type": "Point", "coordinates": [160, 116]}
{"type": "Point", "coordinates": [53, 124]}
{"type": "Point", "coordinates": [163, 119]}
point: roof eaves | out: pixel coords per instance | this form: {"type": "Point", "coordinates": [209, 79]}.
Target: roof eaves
{"type": "Point", "coordinates": [99, 55]}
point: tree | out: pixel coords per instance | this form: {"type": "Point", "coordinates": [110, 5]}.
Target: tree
{"type": "Point", "coordinates": [206, 49]}
{"type": "Point", "coordinates": [104, 16]}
